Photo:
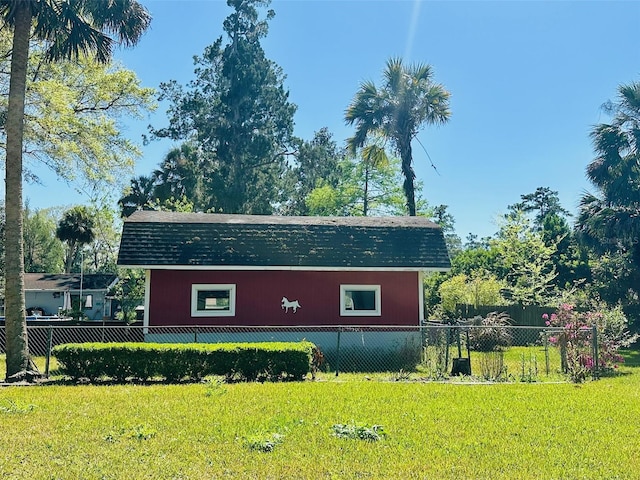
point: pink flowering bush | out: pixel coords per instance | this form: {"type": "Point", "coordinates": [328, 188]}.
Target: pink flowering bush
{"type": "Point", "coordinates": [573, 331]}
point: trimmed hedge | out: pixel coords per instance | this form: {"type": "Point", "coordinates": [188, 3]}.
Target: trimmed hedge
{"type": "Point", "coordinates": [173, 362]}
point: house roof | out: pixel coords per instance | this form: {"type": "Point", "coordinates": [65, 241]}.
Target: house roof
{"type": "Point", "coordinates": [59, 282]}
{"type": "Point", "coordinates": [169, 239]}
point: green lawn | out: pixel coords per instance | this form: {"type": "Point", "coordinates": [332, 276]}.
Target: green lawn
{"type": "Point", "coordinates": [213, 430]}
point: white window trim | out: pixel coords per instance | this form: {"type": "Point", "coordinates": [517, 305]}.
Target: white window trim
{"type": "Point", "coordinates": [196, 287]}
{"type": "Point", "coordinates": [360, 313]}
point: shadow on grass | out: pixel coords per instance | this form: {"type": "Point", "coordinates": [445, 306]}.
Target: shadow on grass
{"type": "Point", "coordinates": [631, 358]}
{"type": "Point", "coordinates": [66, 381]}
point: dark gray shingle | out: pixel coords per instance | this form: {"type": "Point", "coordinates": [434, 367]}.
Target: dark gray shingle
{"type": "Point", "coordinates": [67, 281]}
{"type": "Point", "coordinates": [182, 239]}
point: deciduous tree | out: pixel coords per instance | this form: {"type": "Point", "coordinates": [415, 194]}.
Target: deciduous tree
{"type": "Point", "coordinates": [43, 251]}
{"type": "Point", "coordinates": [525, 261]}
{"type": "Point", "coordinates": [71, 30]}
{"type": "Point", "coordinates": [550, 219]}
{"type": "Point", "coordinates": [363, 188]}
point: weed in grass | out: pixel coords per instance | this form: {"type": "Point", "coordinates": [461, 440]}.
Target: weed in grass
{"type": "Point", "coordinates": [529, 373]}
{"type": "Point", "coordinates": [358, 432]}
{"type": "Point", "coordinates": [401, 376]}
{"type": "Point", "coordinates": [264, 444]}
{"type": "Point", "coordinates": [433, 362]}
{"type": "Point", "coordinates": [215, 387]}
{"type": "Point", "coordinates": [138, 432]}
{"type": "Point", "coordinates": [12, 407]}
{"type": "Point", "coordinates": [492, 367]}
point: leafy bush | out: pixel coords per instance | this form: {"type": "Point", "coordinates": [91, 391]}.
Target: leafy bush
{"type": "Point", "coordinates": [173, 362]}
{"type": "Point", "coordinates": [573, 334]}
{"type": "Point", "coordinates": [475, 290]}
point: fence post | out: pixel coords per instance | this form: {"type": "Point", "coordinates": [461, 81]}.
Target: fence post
{"type": "Point", "coordinates": [338, 352]}
{"type": "Point", "coordinates": [48, 358]}
{"type": "Point", "coordinates": [423, 342]}
{"type": "Point", "coordinates": [596, 363]}
{"type": "Point", "coordinates": [546, 351]}
{"type": "Point", "coordinates": [446, 354]}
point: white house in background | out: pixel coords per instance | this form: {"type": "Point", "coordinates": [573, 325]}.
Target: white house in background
{"type": "Point", "coordinates": [48, 294]}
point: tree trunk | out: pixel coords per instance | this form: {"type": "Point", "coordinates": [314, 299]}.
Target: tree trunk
{"type": "Point", "coordinates": [409, 176]}
{"type": "Point", "coordinates": [70, 258]}
{"type": "Point", "coordinates": [17, 348]}
{"type": "Point", "coordinates": [365, 202]}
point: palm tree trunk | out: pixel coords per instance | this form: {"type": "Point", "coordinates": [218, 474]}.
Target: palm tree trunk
{"type": "Point", "coordinates": [70, 258]}
{"type": "Point", "coordinates": [15, 322]}
{"type": "Point", "coordinates": [365, 202]}
{"type": "Point", "coordinates": [409, 176]}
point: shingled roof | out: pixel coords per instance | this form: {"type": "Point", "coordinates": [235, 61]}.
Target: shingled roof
{"type": "Point", "coordinates": [169, 239]}
{"type": "Point", "coordinates": [68, 281]}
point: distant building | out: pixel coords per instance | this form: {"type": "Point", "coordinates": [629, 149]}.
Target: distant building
{"type": "Point", "coordinates": [49, 294]}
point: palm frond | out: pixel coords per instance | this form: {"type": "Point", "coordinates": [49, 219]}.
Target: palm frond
{"type": "Point", "coordinates": [126, 19]}
{"type": "Point", "coordinates": [394, 75]}
{"type": "Point", "coordinates": [607, 224]}
{"type": "Point", "coordinates": [75, 28]}
{"type": "Point", "coordinates": [629, 95]}
{"type": "Point", "coordinates": [375, 155]}
{"type": "Point", "coordinates": [421, 72]}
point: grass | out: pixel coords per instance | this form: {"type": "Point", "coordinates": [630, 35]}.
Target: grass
{"type": "Point", "coordinates": [288, 430]}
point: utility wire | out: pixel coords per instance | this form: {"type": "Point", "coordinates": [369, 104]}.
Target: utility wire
{"type": "Point", "coordinates": [428, 156]}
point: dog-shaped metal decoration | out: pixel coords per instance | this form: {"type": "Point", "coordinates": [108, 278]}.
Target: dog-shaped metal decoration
{"type": "Point", "coordinates": [286, 304]}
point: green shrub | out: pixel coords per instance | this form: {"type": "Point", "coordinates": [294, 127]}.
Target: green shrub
{"type": "Point", "coordinates": [173, 362]}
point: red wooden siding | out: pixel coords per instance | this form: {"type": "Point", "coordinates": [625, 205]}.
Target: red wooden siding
{"type": "Point", "coordinates": [259, 295]}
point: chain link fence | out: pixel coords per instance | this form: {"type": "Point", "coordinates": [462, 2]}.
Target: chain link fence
{"type": "Point", "coordinates": [428, 352]}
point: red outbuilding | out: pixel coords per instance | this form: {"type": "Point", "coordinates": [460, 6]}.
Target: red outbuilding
{"type": "Point", "coordinates": [254, 270]}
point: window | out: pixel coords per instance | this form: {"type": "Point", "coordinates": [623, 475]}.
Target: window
{"type": "Point", "coordinates": [213, 300]}
{"type": "Point", "coordinates": [360, 300]}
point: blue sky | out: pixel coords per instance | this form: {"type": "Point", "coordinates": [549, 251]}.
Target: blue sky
{"type": "Point", "coordinates": [527, 81]}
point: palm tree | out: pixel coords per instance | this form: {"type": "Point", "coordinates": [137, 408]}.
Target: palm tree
{"type": "Point", "coordinates": [180, 176]}
{"type": "Point", "coordinates": [609, 220]}
{"type": "Point", "coordinates": [76, 228]}
{"type": "Point", "coordinates": [71, 29]}
{"type": "Point", "coordinates": [612, 216]}
{"type": "Point", "coordinates": [407, 100]}
{"type": "Point", "coordinates": [140, 195]}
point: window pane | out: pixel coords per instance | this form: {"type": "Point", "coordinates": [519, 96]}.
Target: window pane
{"type": "Point", "coordinates": [213, 300]}
{"type": "Point", "coordinates": [360, 299]}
